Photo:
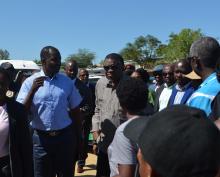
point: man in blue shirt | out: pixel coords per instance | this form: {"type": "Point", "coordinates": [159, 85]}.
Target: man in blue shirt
{"type": "Point", "coordinates": [52, 101]}
{"type": "Point", "coordinates": [204, 54]}
{"type": "Point", "coordinates": [183, 88]}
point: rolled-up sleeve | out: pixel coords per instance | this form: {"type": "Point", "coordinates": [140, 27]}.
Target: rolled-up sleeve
{"type": "Point", "coordinates": [96, 117]}
{"type": "Point", "coordinates": [25, 88]}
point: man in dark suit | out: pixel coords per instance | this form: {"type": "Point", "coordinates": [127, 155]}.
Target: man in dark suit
{"type": "Point", "coordinates": [86, 108]}
{"type": "Point", "coordinates": [84, 77]}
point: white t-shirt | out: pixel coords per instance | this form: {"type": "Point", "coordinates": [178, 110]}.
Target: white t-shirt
{"type": "Point", "coordinates": [4, 131]}
{"type": "Point", "coordinates": [121, 150]}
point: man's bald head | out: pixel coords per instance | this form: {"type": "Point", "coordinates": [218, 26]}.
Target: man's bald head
{"type": "Point", "coordinates": [71, 68]}
{"type": "Point", "coordinates": [168, 74]}
{"type": "Point", "coordinates": [206, 49]}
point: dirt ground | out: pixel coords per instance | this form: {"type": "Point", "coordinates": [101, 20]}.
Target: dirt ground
{"type": "Point", "coordinates": [89, 169]}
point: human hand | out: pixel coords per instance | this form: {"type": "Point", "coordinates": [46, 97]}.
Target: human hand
{"type": "Point", "coordinates": [38, 82]}
{"type": "Point", "coordinates": [95, 148]}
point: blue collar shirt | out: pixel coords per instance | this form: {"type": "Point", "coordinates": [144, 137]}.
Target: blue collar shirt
{"type": "Point", "coordinates": [205, 94]}
{"type": "Point", "coordinates": [51, 102]}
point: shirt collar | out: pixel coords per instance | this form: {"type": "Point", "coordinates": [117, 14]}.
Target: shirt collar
{"type": "Point", "coordinates": [109, 83]}
{"type": "Point", "coordinates": [43, 74]}
{"type": "Point", "coordinates": [208, 79]}
{"type": "Point", "coordinates": [166, 86]}
{"type": "Point", "coordinates": [184, 87]}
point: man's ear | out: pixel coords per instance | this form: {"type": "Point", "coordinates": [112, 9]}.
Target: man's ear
{"type": "Point", "coordinates": [196, 65]}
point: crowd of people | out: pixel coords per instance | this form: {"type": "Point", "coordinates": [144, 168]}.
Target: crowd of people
{"type": "Point", "coordinates": [168, 128]}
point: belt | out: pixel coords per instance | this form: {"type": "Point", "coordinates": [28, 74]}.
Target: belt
{"type": "Point", "coordinates": [52, 132]}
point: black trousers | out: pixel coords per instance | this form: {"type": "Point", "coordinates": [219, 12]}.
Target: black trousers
{"type": "Point", "coordinates": [103, 168]}
{"type": "Point", "coordinates": [84, 153]}
{"type": "Point", "coordinates": [5, 170]}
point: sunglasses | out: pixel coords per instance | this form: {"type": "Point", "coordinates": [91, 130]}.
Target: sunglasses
{"type": "Point", "coordinates": [83, 75]}
{"type": "Point", "coordinates": [157, 73]}
{"type": "Point", "coordinates": [113, 67]}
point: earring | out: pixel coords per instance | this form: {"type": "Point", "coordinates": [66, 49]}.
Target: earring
{"type": "Point", "coordinates": [9, 94]}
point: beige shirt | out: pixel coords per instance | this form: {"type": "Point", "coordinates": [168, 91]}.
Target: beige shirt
{"type": "Point", "coordinates": [4, 131]}
{"type": "Point", "coordinates": [107, 105]}
{"type": "Point", "coordinates": [107, 108]}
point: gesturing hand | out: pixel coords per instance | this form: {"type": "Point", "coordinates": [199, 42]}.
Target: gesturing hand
{"type": "Point", "coordinates": [38, 82]}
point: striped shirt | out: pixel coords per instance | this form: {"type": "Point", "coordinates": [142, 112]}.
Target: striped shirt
{"type": "Point", "coordinates": [205, 94]}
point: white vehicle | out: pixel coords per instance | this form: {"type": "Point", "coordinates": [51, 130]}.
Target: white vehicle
{"type": "Point", "coordinates": [96, 71]}
{"type": "Point", "coordinates": [94, 78]}
{"type": "Point", "coordinates": [95, 74]}
{"type": "Point", "coordinates": [23, 65]}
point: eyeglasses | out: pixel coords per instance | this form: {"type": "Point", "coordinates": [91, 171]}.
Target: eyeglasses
{"type": "Point", "coordinates": [113, 67]}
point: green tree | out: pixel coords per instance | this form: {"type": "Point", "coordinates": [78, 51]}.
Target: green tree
{"type": "Point", "coordinates": [37, 61]}
{"type": "Point", "coordinates": [84, 57]}
{"type": "Point", "coordinates": [4, 54]}
{"type": "Point", "coordinates": [102, 62]}
{"type": "Point", "coordinates": [179, 44]}
{"type": "Point", "coordinates": [142, 49]}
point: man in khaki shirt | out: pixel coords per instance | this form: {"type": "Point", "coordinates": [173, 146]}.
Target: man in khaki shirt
{"type": "Point", "coordinates": [108, 113]}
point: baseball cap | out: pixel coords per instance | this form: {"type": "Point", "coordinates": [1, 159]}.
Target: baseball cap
{"type": "Point", "coordinates": [192, 75]}
{"type": "Point", "coordinates": [178, 141]}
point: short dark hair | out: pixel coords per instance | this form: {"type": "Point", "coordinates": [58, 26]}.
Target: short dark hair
{"type": "Point", "coordinates": [207, 49]}
{"type": "Point", "coordinates": [177, 142]}
{"type": "Point", "coordinates": [116, 57]}
{"type": "Point", "coordinates": [144, 74]}
{"type": "Point", "coordinates": [185, 61]}
{"type": "Point", "coordinates": [132, 94]}
{"type": "Point", "coordinates": [72, 61]}
{"type": "Point", "coordinates": [130, 66]}
{"type": "Point", "coordinates": [83, 69]}
{"type": "Point", "coordinates": [8, 66]}
{"type": "Point", "coordinates": [46, 51]}
{"type": "Point", "coordinates": [171, 65]}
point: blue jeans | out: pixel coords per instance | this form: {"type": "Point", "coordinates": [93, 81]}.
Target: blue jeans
{"type": "Point", "coordinates": [54, 155]}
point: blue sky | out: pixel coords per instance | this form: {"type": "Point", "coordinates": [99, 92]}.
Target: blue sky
{"type": "Point", "coordinates": [99, 25]}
